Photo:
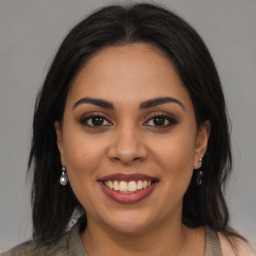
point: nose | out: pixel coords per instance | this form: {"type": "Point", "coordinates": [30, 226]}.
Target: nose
{"type": "Point", "coordinates": [127, 147]}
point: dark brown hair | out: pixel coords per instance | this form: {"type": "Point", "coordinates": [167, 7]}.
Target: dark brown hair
{"type": "Point", "coordinates": [54, 204]}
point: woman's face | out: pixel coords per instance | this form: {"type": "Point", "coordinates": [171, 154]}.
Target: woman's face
{"type": "Point", "coordinates": [129, 139]}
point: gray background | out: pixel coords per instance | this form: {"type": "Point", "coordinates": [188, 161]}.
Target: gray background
{"type": "Point", "coordinates": [30, 32]}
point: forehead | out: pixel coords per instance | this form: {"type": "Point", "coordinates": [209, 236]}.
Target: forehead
{"type": "Point", "coordinates": [128, 74]}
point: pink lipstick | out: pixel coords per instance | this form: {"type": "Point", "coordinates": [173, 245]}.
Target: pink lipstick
{"type": "Point", "coordinates": [128, 189]}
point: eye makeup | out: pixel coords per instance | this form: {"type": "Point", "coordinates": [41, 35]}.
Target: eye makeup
{"type": "Point", "coordinates": [157, 121]}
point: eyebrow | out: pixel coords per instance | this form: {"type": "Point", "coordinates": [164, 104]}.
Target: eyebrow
{"type": "Point", "coordinates": [97, 102]}
{"type": "Point", "coordinates": [144, 105]}
{"type": "Point", "coordinates": [158, 101]}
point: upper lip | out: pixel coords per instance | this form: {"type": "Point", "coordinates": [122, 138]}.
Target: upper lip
{"type": "Point", "coordinates": [127, 177]}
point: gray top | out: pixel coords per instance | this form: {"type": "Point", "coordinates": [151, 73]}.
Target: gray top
{"type": "Point", "coordinates": [70, 244]}
{"type": "Point", "coordinates": [212, 243]}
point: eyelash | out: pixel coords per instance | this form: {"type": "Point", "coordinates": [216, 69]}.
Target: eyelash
{"type": "Point", "coordinates": [171, 121]}
{"type": "Point", "coordinates": [84, 121]}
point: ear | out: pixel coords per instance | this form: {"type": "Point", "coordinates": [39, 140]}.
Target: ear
{"type": "Point", "coordinates": [58, 130]}
{"type": "Point", "coordinates": [203, 134]}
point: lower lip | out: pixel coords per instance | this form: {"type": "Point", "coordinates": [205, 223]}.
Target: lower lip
{"type": "Point", "coordinates": [128, 198]}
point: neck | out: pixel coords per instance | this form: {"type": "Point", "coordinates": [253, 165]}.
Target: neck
{"type": "Point", "coordinates": [170, 238]}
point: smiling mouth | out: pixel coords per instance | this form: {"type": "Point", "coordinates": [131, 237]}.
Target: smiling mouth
{"type": "Point", "coordinates": [128, 187]}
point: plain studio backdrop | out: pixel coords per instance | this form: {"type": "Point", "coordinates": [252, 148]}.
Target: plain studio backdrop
{"type": "Point", "coordinates": [30, 33]}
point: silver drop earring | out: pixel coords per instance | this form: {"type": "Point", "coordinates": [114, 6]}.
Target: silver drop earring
{"type": "Point", "coordinates": [64, 177]}
{"type": "Point", "coordinates": [199, 174]}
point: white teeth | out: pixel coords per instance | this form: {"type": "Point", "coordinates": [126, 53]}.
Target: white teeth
{"type": "Point", "coordinates": [110, 184]}
{"type": "Point", "coordinates": [123, 186]}
{"type": "Point", "coordinates": [116, 186]}
{"type": "Point", "coordinates": [127, 187]}
{"type": "Point", "coordinates": [139, 184]}
{"type": "Point", "coordinates": [132, 186]}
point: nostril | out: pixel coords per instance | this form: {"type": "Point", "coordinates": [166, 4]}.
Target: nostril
{"type": "Point", "coordinates": [126, 153]}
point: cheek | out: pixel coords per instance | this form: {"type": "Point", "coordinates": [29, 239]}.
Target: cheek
{"type": "Point", "coordinates": [176, 158]}
{"type": "Point", "coordinates": [82, 157]}
{"type": "Point", "coordinates": [83, 163]}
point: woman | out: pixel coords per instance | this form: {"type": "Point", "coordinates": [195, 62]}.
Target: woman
{"type": "Point", "coordinates": [131, 133]}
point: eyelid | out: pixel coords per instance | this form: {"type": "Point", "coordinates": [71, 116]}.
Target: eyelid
{"type": "Point", "coordinates": [172, 120]}
{"type": "Point", "coordinates": [89, 116]}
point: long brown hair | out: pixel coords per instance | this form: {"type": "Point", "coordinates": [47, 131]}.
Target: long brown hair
{"type": "Point", "coordinates": [54, 204]}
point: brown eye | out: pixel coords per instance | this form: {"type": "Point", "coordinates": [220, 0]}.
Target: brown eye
{"type": "Point", "coordinates": [161, 121]}
{"type": "Point", "coordinates": [95, 121]}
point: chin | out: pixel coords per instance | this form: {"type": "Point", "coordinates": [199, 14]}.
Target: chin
{"type": "Point", "coordinates": [129, 223]}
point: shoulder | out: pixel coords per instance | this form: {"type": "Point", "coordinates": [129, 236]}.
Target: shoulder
{"type": "Point", "coordinates": [242, 247]}
{"type": "Point", "coordinates": [27, 248]}
{"type": "Point", "coordinates": [33, 248]}
{"type": "Point", "coordinates": [68, 244]}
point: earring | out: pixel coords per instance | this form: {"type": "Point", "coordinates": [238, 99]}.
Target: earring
{"type": "Point", "coordinates": [199, 177]}
{"type": "Point", "coordinates": [64, 177]}
{"type": "Point", "coordinates": [199, 174]}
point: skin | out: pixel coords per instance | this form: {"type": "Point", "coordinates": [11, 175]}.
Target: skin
{"type": "Point", "coordinates": [129, 141]}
